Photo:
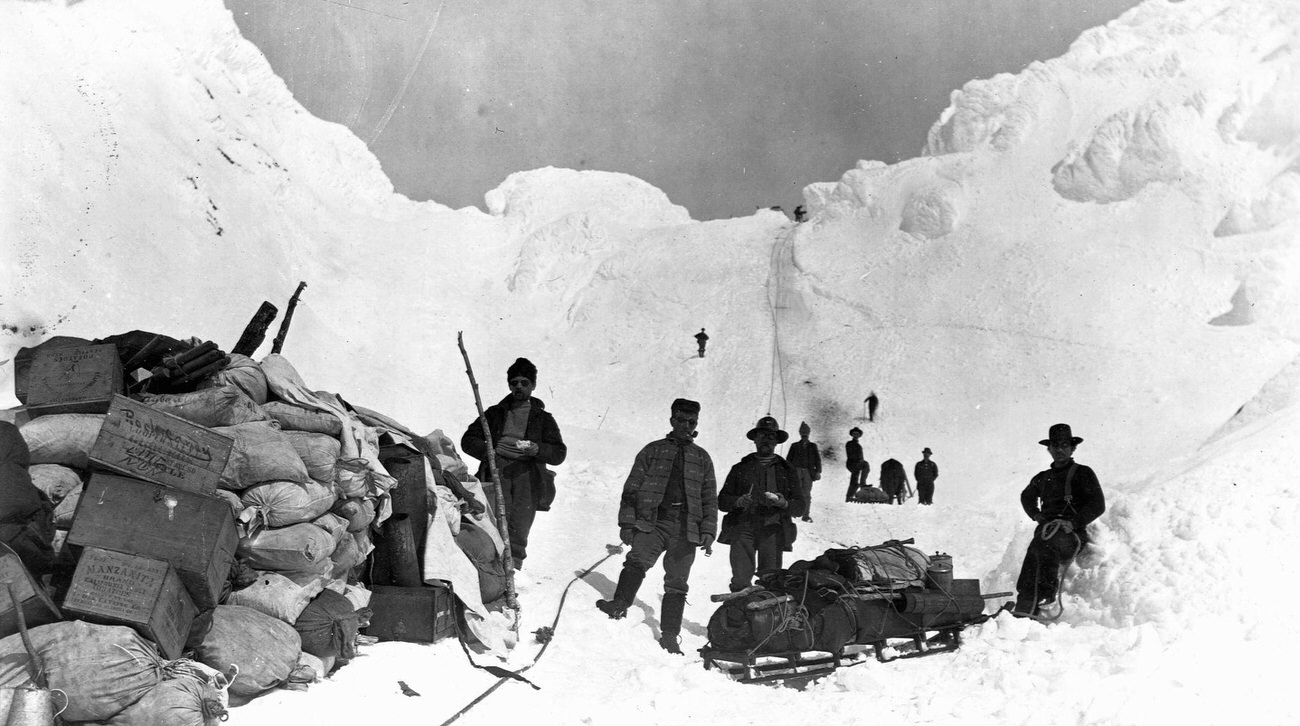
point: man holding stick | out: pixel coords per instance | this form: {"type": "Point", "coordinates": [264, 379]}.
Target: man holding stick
{"type": "Point", "coordinates": [525, 439]}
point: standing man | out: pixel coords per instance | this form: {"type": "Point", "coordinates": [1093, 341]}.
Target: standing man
{"type": "Point", "coordinates": [926, 472]}
{"type": "Point", "coordinates": [701, 338]}
{"type": "Point", "coordinates": [872, 402]}
{"type": "Point", "coordinates": [858, 467]}
{"type": "Point", "coordinates": [670, 508]}
{"type": "Point", "coordinates": [1063, 500]}
{"type": "Point", "coordinates": [761, 497]}
{"type": "Point", "coordinates": [526, 439]}
{"type": "Point", "coordinates": [807, 463]}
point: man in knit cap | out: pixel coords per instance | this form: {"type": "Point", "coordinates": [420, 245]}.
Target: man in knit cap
{"type": "Point", "coordinates": [807, 463]}
{"type": "Point", "coordinates": [525, 439]}
{"type": "Point", "coordinates": [669, 507]}
{"type": "Point", "coordinates": [761, 497]}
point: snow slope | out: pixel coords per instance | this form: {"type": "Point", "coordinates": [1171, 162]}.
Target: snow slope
{"type": "Point", "coordinates": [1107, 238]}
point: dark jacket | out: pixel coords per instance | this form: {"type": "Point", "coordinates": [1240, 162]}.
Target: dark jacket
{"type": "Point", "coordinates": [893, 477]}
{"type": "Point", "coordinates": [925, 471]}
{"type": "Point", "coordinates": [1045, 497]}
{"type": "Point", "coordinates": [643, 491]}
{"type": "Point", "coordinates": [541, 429]}
{"type": "Point", "coordinates": [804, 455]}
{"type": "Point", "coordinates": [853, 455]}
{"type": "Point", "coordinates": [746, 477]}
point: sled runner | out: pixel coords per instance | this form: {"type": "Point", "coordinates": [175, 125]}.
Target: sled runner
{"type": "Point", "coordinates": [839, 610]}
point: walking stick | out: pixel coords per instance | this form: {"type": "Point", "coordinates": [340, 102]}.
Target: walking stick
{"type": "Point", "coordinates": [512, 599]}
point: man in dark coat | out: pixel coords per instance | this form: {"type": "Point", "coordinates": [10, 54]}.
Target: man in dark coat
{"type": "Point", "coordinates": [926, 472]}
{"type": "Point", "coordinates": [858, 467]}
{"type": "Point", "coordinates": [893, 481]}
{"type": "Point", "coordinates": [702, 338]}
{"type": "Point", "coordinates": [807, 463]}
{"type": "Point", "coordinates": [669, 507]}
{"type": "Point", "coordinates": [761, 497]}
{"type": "Point", "coordinates": [1063, 500]}
{"type": "Point", "coordinates": [26, 514]}
{"type": "Point", "coordinates": [526, 439]}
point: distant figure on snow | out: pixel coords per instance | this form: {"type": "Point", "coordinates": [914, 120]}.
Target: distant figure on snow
{"type": "Point", "coordinates": [893, 481]}
{"type": "Point", "coordinates": [525, 439]}
{"type": "Point", "coordinates": [858, 467]}
{"type": "Point", "coordinates": [1063, 500]}
{"type": "Point", "coordinates": [872, 402]}
{"type": "Point", "coordinates": [702, 338]}
{"type": "Point", "coordinates": [670, 508]}
{"type": "Point", "coordinates": [761, 498]}
{"type": "Point", "coordinates": [807, 463]}
{"type": "Point", "coordinates": [926, 472]}
{"type": "Point", "coordinates": [800, 213]}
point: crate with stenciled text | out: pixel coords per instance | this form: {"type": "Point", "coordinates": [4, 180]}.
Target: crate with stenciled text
{"type": "Point", "coordinates": [411, 614]}
{"type": "Point", "coordinates": [74, 379]}
{"type": "Point", "coordinates": [115, 588]}
{"type": "Point", "coordinates": [144, 443]}
{"type": "Point", "coordinates": [194, 532]}
{"type": "Point", "coordinates": [37, 608]}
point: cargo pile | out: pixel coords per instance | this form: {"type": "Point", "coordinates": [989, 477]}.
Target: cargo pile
{"type": "Point", "coordinates": [219, 530]}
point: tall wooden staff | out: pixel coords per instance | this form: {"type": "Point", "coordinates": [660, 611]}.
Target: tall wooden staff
{"type": "Point", "coordinates": [512, 599]}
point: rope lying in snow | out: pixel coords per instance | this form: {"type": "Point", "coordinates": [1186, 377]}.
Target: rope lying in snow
{"type": "Point", "coordinates": [544, 634]}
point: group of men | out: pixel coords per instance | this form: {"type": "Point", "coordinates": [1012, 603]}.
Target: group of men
{"type": "Point", "coordinates": [893, 478]}
{"type": "Point", "coordinates": [670, 500]}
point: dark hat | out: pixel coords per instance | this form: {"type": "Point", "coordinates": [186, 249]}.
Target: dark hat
{"type": "Point", "coordinates": [804, 428]}
{"type": "Point", "coordinates": [686, 406]}
{"type": "Point", "coordinates": [1060, 434]}
{"type": "Point", "coordinates": [767, 423]}
{"type": "Point", "coordinates": [522, 368]}
{"type": "Point", "coordinates": [926, 450]}
{"type": "Point", "coordinates": [855, 430]}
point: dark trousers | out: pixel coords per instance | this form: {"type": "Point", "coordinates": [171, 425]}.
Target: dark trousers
{"type": "Point", "coordinates": [668, 538]}
{"type": "Point", "coordinates": [520, 511]}
{"type": "Point", "coordinates": [805, 486]}
{"type": "Point", "coordinates": [765, 546]}
{"type": "Point", "coordinates": [1040, 574]}
{"type": "Point", "coordinates": [925, 492]}
{"type": "Point", "coordinates": [856, 478]}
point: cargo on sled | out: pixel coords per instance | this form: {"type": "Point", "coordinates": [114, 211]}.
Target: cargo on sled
{"type": "Point", "coordinates": [888, 601]}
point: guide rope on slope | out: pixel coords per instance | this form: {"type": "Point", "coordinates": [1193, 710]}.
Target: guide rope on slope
{"type": "Point", "coordinates": [780, 246]}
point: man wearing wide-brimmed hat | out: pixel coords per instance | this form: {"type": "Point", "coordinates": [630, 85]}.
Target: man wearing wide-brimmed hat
{"type": "Point", "coordinates": [925, 472]}
{"type": "Point", "coordinates": [1063, 500]}
{"type": "Point", "coordinates": [857, 466]}
{"type": "Point", "coordinates": [670, 508]}
{"type": "Point", "coordinates": [761, 497]}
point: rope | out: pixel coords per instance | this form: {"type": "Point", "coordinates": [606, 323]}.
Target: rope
{"type": "Point", "coordinates": [545, 635]}
{"type": "Point", "coordinates": [777, 374]}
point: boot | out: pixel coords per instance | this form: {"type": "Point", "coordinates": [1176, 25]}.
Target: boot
{"type": "Point", "coordinates": [629, 581]}
{"type": "Point", "coordinates": [670, 621]}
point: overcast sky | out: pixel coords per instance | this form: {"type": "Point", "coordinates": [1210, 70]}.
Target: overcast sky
{"type": "Point", "coordinates": [726, 105]}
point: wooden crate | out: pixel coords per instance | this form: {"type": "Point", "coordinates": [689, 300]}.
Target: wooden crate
{"type": "Point", "coordinates": [38, 609]}
{"type": "Point", "coordinates": [114, 588]}
{"type": "Point", "coordinates": [412, 614]}
{"type": "Point", "coordinates": [194, 532]}
{"type": "Point", "coordinates": [148, 444]}
{"type": "Point", "coordinates": [77, 379]}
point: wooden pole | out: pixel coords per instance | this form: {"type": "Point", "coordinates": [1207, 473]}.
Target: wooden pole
{"type": "Point", "coordinates": [278, 343]}
{"type": "Point", "coordinates": [35, 665]}
{"type": "Point", "coordinates": [512, 600]}
{"type": "Point", "coordinates": [255, 331]}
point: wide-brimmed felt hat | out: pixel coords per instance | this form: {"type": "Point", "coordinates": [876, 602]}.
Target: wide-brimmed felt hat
{"type": "Point", "coordinates": [855, 429]}
{"type": "Point", "coordinates": [1061, 434]}
{"type": "Point", "coordinates": [926, 450]}
{"type": "Point", "coordinates": [767, 423]}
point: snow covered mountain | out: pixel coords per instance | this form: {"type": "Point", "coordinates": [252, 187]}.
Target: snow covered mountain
{"type": "Point", "coordinates": [1108, 238]}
